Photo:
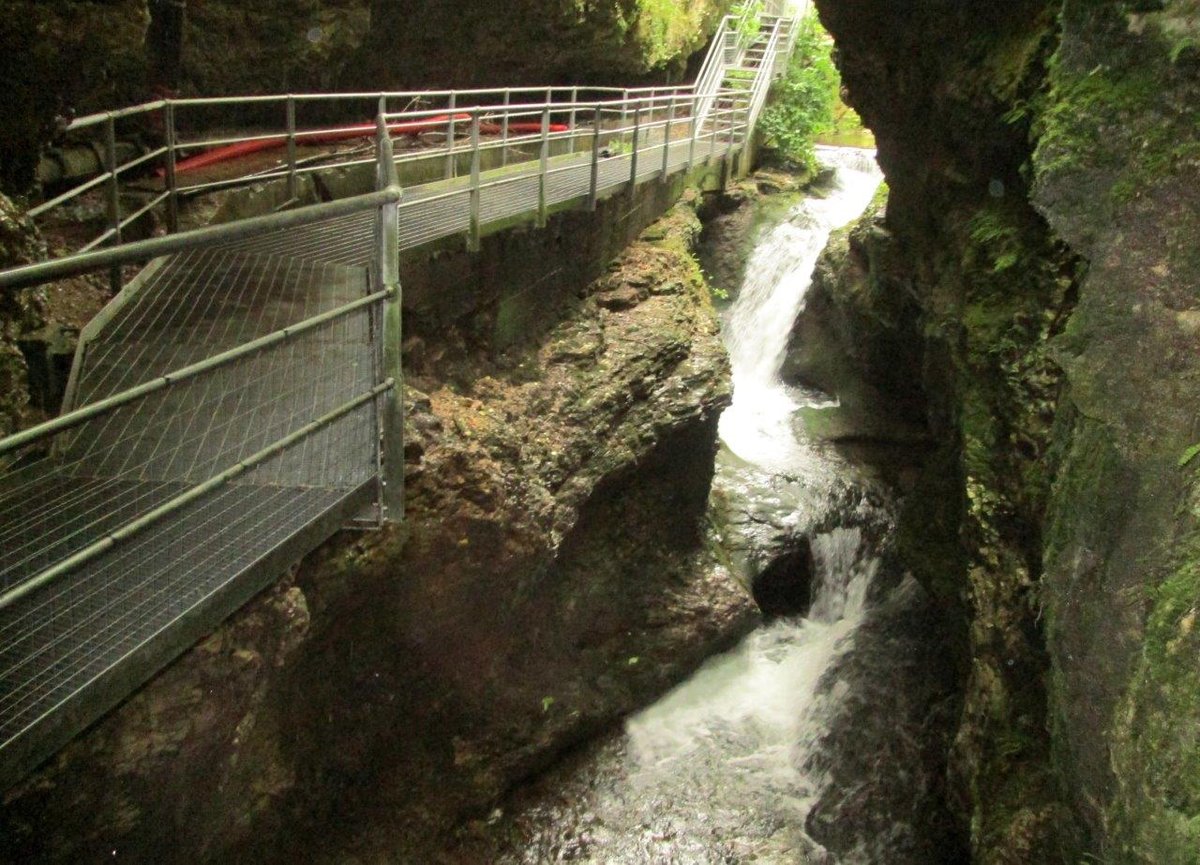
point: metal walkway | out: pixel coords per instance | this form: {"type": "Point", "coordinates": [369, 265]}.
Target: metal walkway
{"type": "Point", "coordinates": [238, 402]}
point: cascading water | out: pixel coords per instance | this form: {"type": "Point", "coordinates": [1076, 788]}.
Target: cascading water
{"type": "Point", "coordinates": [758, 426]}
{"type": "Point", "coordinates": [732, 764]}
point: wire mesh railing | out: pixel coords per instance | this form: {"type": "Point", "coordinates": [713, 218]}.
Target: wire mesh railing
{"type": "Point", "coordinates": [240, 400]}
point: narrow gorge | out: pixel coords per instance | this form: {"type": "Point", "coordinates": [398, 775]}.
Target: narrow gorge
{"type": "Point", "coordinates": [808, 504]}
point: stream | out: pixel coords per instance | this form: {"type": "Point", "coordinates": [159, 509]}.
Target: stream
{"type": "Point", "coordinates": [820, 738]}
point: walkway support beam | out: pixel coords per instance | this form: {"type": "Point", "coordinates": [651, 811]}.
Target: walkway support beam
{"type": "Point", "coordinates": [637, 131]}
{"type": "Point", "coordinates": [594, 182]}
{"type": "Point", "coordinates": [388, 277]}
{"type": "Point", "coordinates": [473, 239]}
{"type": "Point", "coordinates": [543, 168]}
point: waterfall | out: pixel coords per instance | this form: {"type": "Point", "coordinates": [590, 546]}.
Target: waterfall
{"type": "Point", "coordinates": [739, 762]}
{"type": "Point", "coordinates": [757, 427]}
{"type": "Point", "coordinates": [733, 739]}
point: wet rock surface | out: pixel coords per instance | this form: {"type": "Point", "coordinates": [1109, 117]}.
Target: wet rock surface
{"type": "Point", "coordinates": [885, 798]}
{"type": "Point", "coordinates": [821, 738]}
{"type": "Point", "coordinates": [1042, 168]}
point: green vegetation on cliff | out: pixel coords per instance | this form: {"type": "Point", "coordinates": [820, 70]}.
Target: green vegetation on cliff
{"type": "Point", "coordinates": [802, 102]}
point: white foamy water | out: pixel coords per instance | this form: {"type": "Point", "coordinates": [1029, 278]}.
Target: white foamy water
{"type": "Point", "coordinates": [732, 742]}
{"type": "Point", "coordinates": [729, 746]}
{"type": "Point", "coordinates": [758, 426]}
{"type": "Point", "coordinates": [733, 737]}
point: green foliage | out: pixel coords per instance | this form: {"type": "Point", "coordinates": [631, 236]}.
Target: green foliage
{"type": "Point", "coordinates": [847, 129]}
{"type": "Point", "coordinates": [747, 18]}
{"type": "Point", "coordinates": [802, 102]}
{"type": "Point", "coordinates": [999, 237]}
{"type": "Point", "coordinates": [667, 30]}
{"type": "Point", "coordinates": [1189, 455]}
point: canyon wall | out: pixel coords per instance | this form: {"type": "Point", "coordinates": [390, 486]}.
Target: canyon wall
{"type": "Point", "coordinates": [1035, 271]}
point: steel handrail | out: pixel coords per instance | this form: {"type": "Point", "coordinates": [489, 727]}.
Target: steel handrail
{"type": "Point", "coordinates": [696, 98]}
{"type": "Point", "coordinates": [659, 116]}
{"type": "Point", "coordinates": [115, 401]}
{"type": "Point", "coordinates": [143, 250]}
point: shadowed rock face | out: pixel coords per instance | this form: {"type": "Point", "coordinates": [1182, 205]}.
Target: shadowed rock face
{"type": "Point", "coordinates": [535, 41]}
{"type": "Point", "coordinates": [1043, 160]}
{"type": "Point", "coordinates": [784, 587]}
{"type": "Point", "coordinates": [20, 314]}
{"type": "Point", "coordinates": [61, 57]}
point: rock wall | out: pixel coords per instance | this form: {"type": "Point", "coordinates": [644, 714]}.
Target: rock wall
{"type": "Point", "coordinates": [535, 42]}
{"type": "Point", "coordinates": [20, 314]}
{"type": "Point", "coordinates": [60, 58]}
{"type": "Point", "coordinates": [1035, 271]}
{"type": "Point", "coordinates": [1118, 176]}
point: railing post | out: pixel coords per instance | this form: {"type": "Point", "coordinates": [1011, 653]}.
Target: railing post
{"type": "Point", "coordinates": [292, 186]}
{"type": "Point", "coordinates": [594, 184]}
{"type": "Point", "coordinates": [473, 240]}
{"type": "Point", "coordinates": [450, 166]}
{"type": "Point", "coordinates": [637, 128]}
{"type": "Point", "coordinates": [545, 165]}
{"type": "Point", "coordinates": [114, 195]}
{"type": "Point", "coordinates": [693, 131]}
{"type": "Point", "coordinates": [731, 133]}
{"type": "Point", "coordinates": [172, 194]}
{"type": "Point", "coordinates": [727, 162]}
{"type": "Point", "coordinates": [666, 161]}
{"type": "Point", "coordinates": [714, 119]}
{"type": "Point", "coordinates": [571, 118]}
{"type": "Point", "coordinates": [391, 413]}
{"type": "Point", "coordinates": [504, 129]}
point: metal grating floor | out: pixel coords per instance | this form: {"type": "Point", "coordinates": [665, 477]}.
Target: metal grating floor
{"type": "Point", "coordinates": [76, 646]}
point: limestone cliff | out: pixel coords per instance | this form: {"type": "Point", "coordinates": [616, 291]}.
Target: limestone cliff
{"type": "Point", "coordinates": [610, 42]}
{"type": "Point", "coordinates": [1035, 271]}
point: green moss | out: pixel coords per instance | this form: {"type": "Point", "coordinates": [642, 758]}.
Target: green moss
{"type": "Point", "coordinates": [1071, 131]}
{"type": "Point", "coordinates": [1119, 119]}
{"type": "Point", "coordinates": [669, 31]}
{"type": "Point", "coordinates": [1156, 753]}
{"type": "Point", "coordinates": [1010, 55]}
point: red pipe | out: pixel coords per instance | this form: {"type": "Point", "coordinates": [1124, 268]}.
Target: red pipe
{"type": "Point", "coordinates": [359, 130]}
{"type": "Point", "coordinates": [521, 128]}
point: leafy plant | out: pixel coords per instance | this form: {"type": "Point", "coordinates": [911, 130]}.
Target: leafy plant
{"type": "Point", "coordinates": [802, 102]}
{"type": "Point", "coordinates": [994, 233]}
{"type": "Point", "coordinates": [747, 20]}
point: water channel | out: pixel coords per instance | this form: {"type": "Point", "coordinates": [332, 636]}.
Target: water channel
{"type": "Point", "coordinates": [812, 740]}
